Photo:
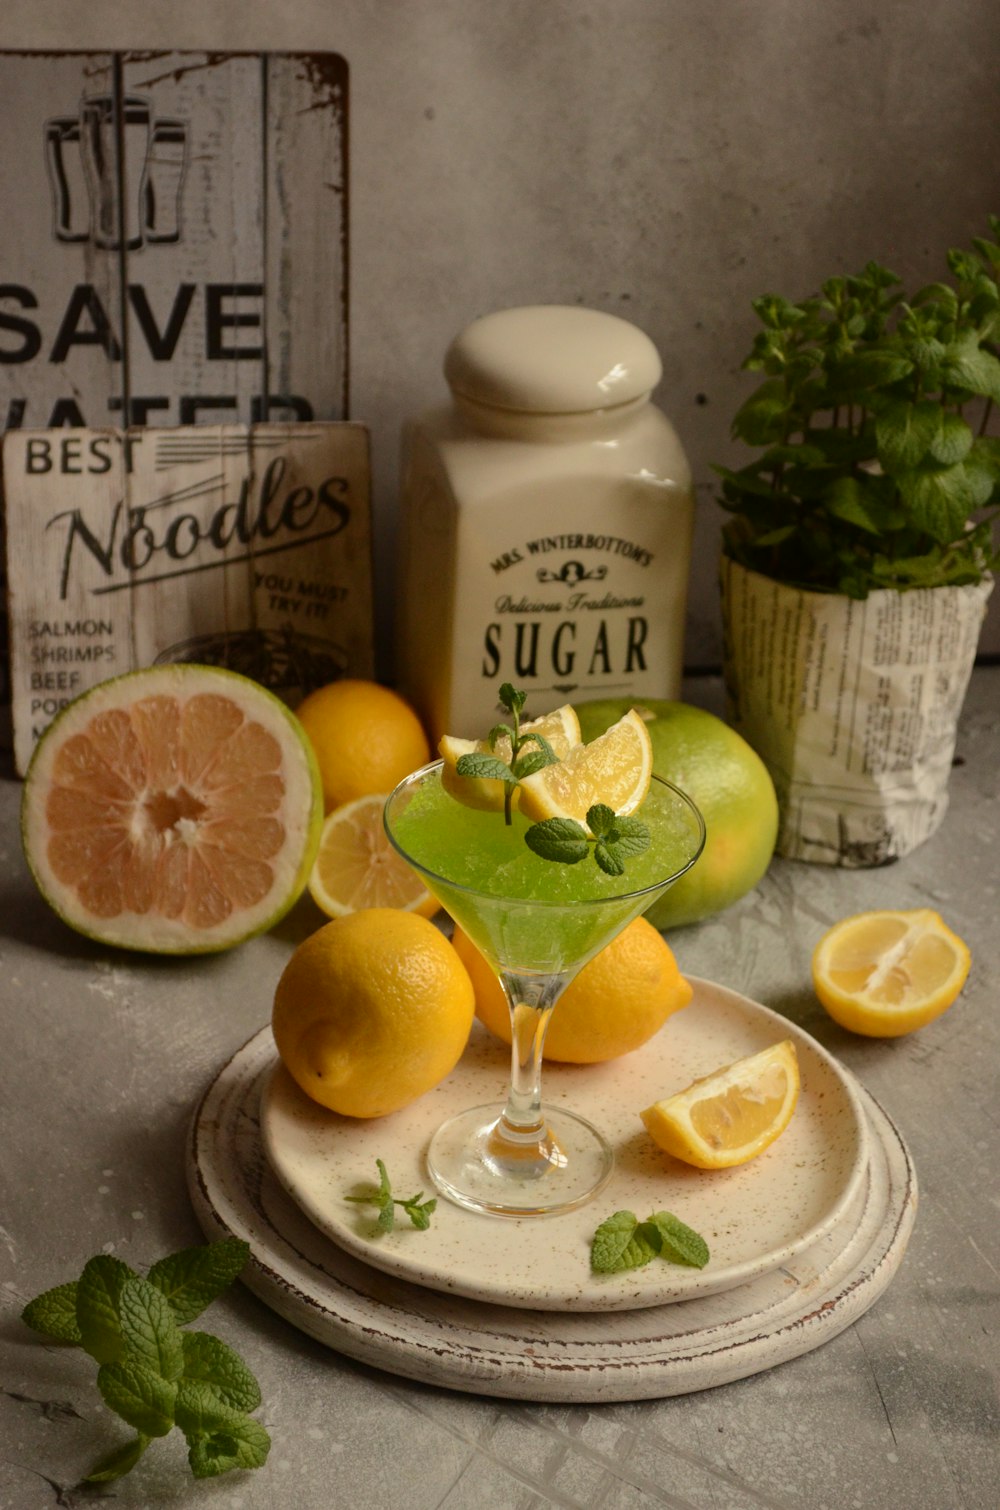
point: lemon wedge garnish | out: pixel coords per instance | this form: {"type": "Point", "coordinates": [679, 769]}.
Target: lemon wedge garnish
{"type": "Point", "coordinates": [732, 1115]}
{"type": "Point", "coordinates": [885, 973]}
{"type": "Point", "coordinates": [615, 769]}
{"type": "Point", "coordinates": [561, 728]}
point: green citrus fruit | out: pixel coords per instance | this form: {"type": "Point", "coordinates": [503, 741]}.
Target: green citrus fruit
{"type": "Point", "coordinates": [730, 784]}
{"type": "Point", "coordinates": [174, 810]}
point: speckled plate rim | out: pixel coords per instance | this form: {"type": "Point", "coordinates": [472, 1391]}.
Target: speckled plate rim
{"type": "Point", "coordinates": [555, 1287]}
{"type": "Point", "coordinates": [488, 1350]}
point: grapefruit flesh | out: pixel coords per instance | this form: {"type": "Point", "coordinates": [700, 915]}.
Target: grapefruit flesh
{"type": "Point", "coordinates": [173, 810]}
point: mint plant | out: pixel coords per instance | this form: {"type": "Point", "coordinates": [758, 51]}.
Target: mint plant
{"type": "Point", "coordinates": [877, 468]}
{"type": "Point", "coordinates": [151, 1372]}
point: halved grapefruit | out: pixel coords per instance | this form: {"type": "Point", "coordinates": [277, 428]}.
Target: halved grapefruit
{"type": "Point", "coordinates": [175, 810]}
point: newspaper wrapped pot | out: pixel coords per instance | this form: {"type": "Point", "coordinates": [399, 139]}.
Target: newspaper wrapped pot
{"type": "Point", "coordinates": [852, 705]}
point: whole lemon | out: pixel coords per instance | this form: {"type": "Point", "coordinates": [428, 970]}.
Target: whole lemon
{"type": "Point", "coordinates": [730, 785]}
{"type": "Point", "coordinates": [372, 1011]}
{"type": "Point", "coordinates": [366, 738]}
{"type": "Point", "coordinates": [619, 999]}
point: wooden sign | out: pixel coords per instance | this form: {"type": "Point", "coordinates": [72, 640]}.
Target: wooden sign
{"type": "Point", "coordinates": [230, 545]}
{"type": "Point", "coordinates": [175, 245]}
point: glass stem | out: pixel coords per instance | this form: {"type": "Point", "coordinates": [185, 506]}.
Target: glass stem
{"type": "Point", "coordinates": [531, 999]}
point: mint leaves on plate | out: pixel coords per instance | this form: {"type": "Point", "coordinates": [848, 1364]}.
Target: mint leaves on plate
{"type": "Point", "coordinates": [417, 1209]}
{"type": "Point", "coordinates": [622, 1242]}
{"type": "Point", "coordinates": [151, 1372]}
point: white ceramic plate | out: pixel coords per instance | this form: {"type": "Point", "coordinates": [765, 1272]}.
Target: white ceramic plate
{"type": "Point", "coordinates": [493, 1350]}
{"type": "Point", "coordinates": [754, 1218]}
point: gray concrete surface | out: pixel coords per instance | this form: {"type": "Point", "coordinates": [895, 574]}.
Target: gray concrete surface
{"type": "Point", "coordinates": [105, 1055]}
{"type": "Point", "coordinates": [666, 160]}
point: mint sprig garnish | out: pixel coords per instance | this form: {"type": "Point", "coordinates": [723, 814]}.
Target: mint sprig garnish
{"type": "Point", "coordinates": [522, 762]}
{"type": "Point", "coordinates": [153, 1374]}
{"type": "Point", "coordinates": [614, 839]}
{"type": "Point", "coordinates": [417, 1209]}
{"type": "Point", "coordinates": [622, 1242]}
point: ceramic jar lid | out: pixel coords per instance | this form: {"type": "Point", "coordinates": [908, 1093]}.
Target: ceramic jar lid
{"type": "Point", "coordinates": [552, 359]}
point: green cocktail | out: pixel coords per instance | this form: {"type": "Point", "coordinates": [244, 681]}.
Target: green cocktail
{"type": "Point", "coordinates": [538, 923]}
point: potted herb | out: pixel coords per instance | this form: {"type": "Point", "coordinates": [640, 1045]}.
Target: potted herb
{"type": "Point", "coordinates": [858, 557]}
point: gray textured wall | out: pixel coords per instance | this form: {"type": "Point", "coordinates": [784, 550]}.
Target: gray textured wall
{"type": "Point", "coordinates": [665, 160]}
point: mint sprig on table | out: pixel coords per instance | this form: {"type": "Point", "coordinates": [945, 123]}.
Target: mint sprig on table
{"type": "Point", "coordinates": [151, 1372]}
{"type": "Point", "coordinates": [523, 762]}
{"type": "Point", "coordinates": [417, 1209]}
{"type": "Point", "coordinates": [622, 1242]}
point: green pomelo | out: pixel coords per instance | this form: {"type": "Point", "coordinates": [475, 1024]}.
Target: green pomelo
{"type": "Point", "coordinates": [729, 783]}
{"type": "Point", "coordinates": [174, 810]}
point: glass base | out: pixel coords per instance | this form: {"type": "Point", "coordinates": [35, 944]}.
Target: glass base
{"type": "Point", "coordinates": [481, 1162]}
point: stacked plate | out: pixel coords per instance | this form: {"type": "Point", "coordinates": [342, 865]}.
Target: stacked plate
{"type": "Point", "coordinates": [803, 1239]}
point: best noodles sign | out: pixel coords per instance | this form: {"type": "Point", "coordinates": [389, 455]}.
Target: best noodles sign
{"type": "Point", "coordinates": [178, 257]}
{"type": "Point", "coordinates": [235, 546]}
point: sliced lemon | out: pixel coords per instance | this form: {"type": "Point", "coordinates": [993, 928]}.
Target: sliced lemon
{"type": "Point", "coordinates": [732, 1115]}
{"type": "Point", "coordinates": [357, 867]}
{"type": "Point", "coordinates": [885, 973]}
{"type": "Point", "coordinates": [561, 728]}
{"type": "Point", "coordinates": [615, 769]}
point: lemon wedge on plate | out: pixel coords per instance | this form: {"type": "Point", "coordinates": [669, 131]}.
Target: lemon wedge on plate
{"type": "Point", "coordinates": [732, 1115]}
{"type": "Point", "coordinates": [885, 973]}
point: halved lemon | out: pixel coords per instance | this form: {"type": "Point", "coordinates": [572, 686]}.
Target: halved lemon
{"type": "Point", "coordinates": [885, 973]}
{"type": "Point", "coordinates": [614, 769]}
{"type": "Point", "coordinates": [732, 1115]}
{"type": "Point", "coordinates": [561, 728]}
{"type": "Point", "coordinates": [357, 867]}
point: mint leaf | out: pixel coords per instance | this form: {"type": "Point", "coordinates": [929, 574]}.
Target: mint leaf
{"type": "Point", "coordinates": [630, 835]}
{"type": "Point", "coordinates": [417, 1209]}
{"type": "Point", "coordinates": [622, 1243]}
{"type": "Point", "coordinates": [679, 1243]}
{"type": "Point", "coordinates": [533, 737]}
{"type": "Point", "coordinates": [97, 1294]}
{"type": "Point", "coordinates": [240, 1443]}
{"type": "Point", "coordinates": [53, 1314]}
{"type": "Point", "coordinates": [139, 1396]}
{"type": "Point", "coordinates": [498, 732]}
{"type": "Point", "coordinates": [210, 1361]}
{"type": "Point", "coordinates": [609, 858]}
{"type": "Point", "coordinates": [527, 765]}
{"type": "Point", "coordinates": [617, 838]}
{"type": "Point", "coordinates": [118, 1462]}
{"type": "Point", "coordinates": [600, 819]}
{"type": "Point", "coordinates": [560, 839]}
{"type": "Point", "coordinates": [511, 699]}
{"type": "Point", "coordinates": [194, 1277]}
{"type": "Point", "coordinates": [484, 766]}
{"type": "Point", "coordinates": [149, 1331]}
{"type": "Point", "coordinates": [619, 1245]}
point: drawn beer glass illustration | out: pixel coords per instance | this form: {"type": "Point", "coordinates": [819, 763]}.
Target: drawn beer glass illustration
{"type": "Point", "coordinates": [165, 169]}
{"type": "Point", "coordinates": [70, 199]}
{"type": "Point", "coordinates": [116, 202]}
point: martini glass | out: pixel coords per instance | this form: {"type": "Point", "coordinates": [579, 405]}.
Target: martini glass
{"type": "Point", "coordinates": [537, 922]}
